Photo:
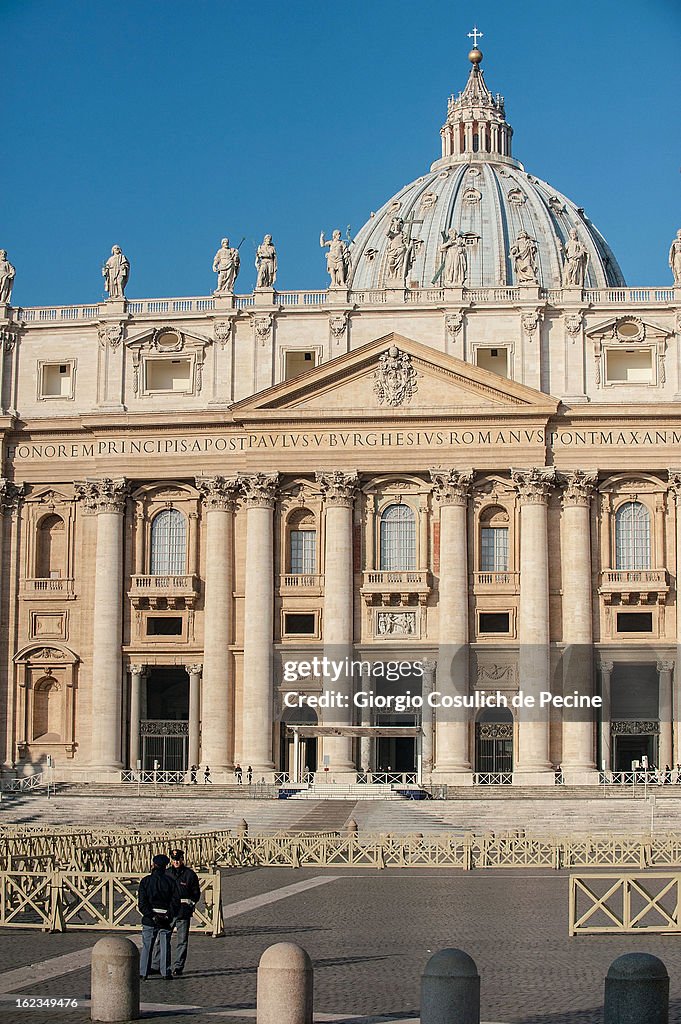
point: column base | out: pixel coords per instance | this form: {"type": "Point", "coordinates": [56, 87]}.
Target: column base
{"type": "Point", "coordinates": [581, 776]}
{"type": "Point", "coordinates": [534, 776]}
{"type": "Point", "coordinates": [451, 777]}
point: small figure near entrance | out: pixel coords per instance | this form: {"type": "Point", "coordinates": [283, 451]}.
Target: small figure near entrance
{"type": "Point", "coordinates": [558, 775]}
{"type": "Point", "coordinates": [678, 775]}
{"type": "Point", "coordinates": [190, 893]}
{"type": "Point", "coordinates": [206, 776]}
{"type": "Point", "coordinates": [249, 775]}
{"type": "Point", "coordinates": [667, 774]}
{"type": "Point", "coordinates": [158, 901]}
{"type": "Point", "coordinates": [193, 772]}
{"type": "Point", "coordinates": [238, 773]}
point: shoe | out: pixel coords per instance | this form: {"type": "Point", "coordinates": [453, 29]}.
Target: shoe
{"type": "Point", "coordinates": [154, 970]}
{"type": "Point", "coordinates": [167, 977]}
{"type": "Point", "coordinates": [177, 971]}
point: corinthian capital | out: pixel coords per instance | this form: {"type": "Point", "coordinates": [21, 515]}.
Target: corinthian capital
{"type": "Point", "coordinates": [675, 484]}
{"type": "Point", "coordinates": [337, 487]}
{"type": "Point", "coordinates": [10, 496]}
{"type": "Point", "coordinates": [452, 486]}
{"type": "Point", "coordinates": [218, 492]}
{"type": "Point", "coordinates": [533, 486]}
{"type": "Point", "coordinates": [579, 486]}
{"type": "Point", "coordinates": [104, 495]}
{"type": "Point", "coordinates": [259, 489]}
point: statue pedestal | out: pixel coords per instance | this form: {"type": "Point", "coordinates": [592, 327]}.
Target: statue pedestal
{"type": "Point", "coordinates": [395, 294]}
{"type": "Point", "coordinates": [573, 294]}
{"type": "Point", "coordinates": [114, 309]}
{"type": "Point", "coordinates": [529, 292]}
{"type": "Point", "coordinates": [264, 297]}
{"type": "Point", "coordinates": [454, 296]}
{"type": "Point", "coordinates": [223, 301]}
{"type": "Point", "coordinates": [337, 296]}
{"type": "Point", "coordinates": [5, 311]}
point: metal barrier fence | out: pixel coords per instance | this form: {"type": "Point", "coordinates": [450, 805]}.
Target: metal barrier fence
{"type": "Point", "coordinates": [57, 901]}
{"type": "Point", "coordinates": [625, 903]}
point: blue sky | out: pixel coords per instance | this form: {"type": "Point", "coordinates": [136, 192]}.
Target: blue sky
{"type": "Point", "coordinates": [163, 126]}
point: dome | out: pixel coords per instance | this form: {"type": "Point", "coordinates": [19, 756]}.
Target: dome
{"type": "Point", "coordinates": [484, 195]}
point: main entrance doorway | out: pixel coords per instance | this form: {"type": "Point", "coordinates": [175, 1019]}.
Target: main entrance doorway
{"type": "Point", "coordinates": [494, 742]}
{"type": "Point", "coordinates": [307, 751]}
{"type": "Point", "coordinates": [164, 729]}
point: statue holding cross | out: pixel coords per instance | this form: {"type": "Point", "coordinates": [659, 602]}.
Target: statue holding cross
{"type": "Point", "coordinates": [401, 251]}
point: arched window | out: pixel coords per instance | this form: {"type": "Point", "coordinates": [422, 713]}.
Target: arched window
{"type": "Point", "coordinates": [168, 543]}
{"type": "Point", "coordinates": [632, 536]}
{"type": "Point", "coordinates": [50, 560]}
{"type": "Point", "coordinates": [494, 540]}
{"type": "Point", "coordinates": [397, 538]}
{"type": "Point", "coordinates": [302, 541]}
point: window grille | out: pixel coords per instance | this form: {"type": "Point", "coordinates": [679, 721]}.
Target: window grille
{"type": "Point", "coordinates": [632, 536]}
{"type": "Point", "coordinates": [398, 538]}
{"type": "Point", "coordinates": [168, 543]}
{"type": "Point", "coordinates": [303, 552]}
{"type": "Point", "coordinates": [494, 549]}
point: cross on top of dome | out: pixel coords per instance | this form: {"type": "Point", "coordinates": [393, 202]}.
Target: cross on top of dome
{"type": "Point", "coordinates": [474, 36]}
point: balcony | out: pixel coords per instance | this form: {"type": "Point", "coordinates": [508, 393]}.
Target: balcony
{"type": "Point", "coordinates": [169, 591]}
{"type": "Point", "coordinates": [48, 587]}
{"type": "Point", "coordinates": [303, 583]}
{"type": "Point", "coordinates": [495, 582]}
{"type": "Point", "coordinates": [634, 586]}
{"type": "Point", "coordinates": [407, 584]}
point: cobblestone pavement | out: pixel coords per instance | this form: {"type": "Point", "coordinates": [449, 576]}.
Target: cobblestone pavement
{"type": "Point", "coordinates": [370, 935]}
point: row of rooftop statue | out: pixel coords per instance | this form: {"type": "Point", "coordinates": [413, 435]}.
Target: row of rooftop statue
{"type": "Point", "coordinates": [451, 272]}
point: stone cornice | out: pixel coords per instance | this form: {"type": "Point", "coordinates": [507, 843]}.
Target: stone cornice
{"type": "Point", "coordinates": [219, 493]}
{"type": "Point", "coordinates": [579, 487]}
{"type": "Point", "coordinates": [452, 486]}
{"type": "Point", "coordinates": [259, 490]}
{"type": "Point", "coordinates": [533, 486]}
{"type": "Point", "coordinates": [337, 487]}
{"type": "Point", "coordinates": [102, 495]}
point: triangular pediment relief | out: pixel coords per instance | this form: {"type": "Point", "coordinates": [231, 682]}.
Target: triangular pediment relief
{"type": "Point", "coordinates": [628, 329]}
{"type": "Point", "coordinates": [395, 376]}
{"type": "Point", "coordinates": [166, 338]}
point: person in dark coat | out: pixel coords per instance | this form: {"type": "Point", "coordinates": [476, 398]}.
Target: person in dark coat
{"type": "Point", "coordinates": [159, 902]}
{"type": "Point", "coordinates": [190, 894]}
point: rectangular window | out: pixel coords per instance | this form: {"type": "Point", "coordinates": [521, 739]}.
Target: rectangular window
{"type": "Point", "coordinates": [168, 375]}
{"type": "Point", "coordinates": [300, 623]}
{"type": "Point", "coordinates": [634, 622]}
{"type": "Point", "coordinates": [493, 359]}
{"type": "Point", "coordinates": [493, 622]}
{"type": "Point", "coordinates": [56, 380]}
{"type": "Point", "coordinates": [494, 549]}
{"type": "Point", "coordinates": [303, 552]}
{"type": "Point", "coordinates": [164, 625]}
{"type": "Point", "coordinates": [297, 363]}
{"type": "Point", "coordinates": [629, 366]}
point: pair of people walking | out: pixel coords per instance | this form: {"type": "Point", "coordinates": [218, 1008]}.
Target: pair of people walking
{"type": "Point", "coordinates": [239, 774]}
{"type": "Point", "coordinates": [166, 900]}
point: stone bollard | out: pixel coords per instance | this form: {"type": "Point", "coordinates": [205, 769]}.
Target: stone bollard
{"type": "Point", "coordinates": [450, 989]}
{"type": "Point", "coordinates": [115, 981]}
{"type": "Point", "coordinates": [284, 985]}
{"type": "Point", "coordinates": [636, 990]}
{"type": "Point", "coordinates": [351, 828]}
{"type": "Point", "coordinates": [242, 828]}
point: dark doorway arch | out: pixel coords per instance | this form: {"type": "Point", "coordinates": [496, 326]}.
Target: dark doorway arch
{"type": "Point", "coordinates": [494, 741]}
{"type": "Point", "coordinates": [308, 744]}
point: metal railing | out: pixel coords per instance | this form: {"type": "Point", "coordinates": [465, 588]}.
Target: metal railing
{"type": "Point", "coordinates": [493, 779]}
{"type": "Point", "coordinates": [24, 784]}
{"type": "Point", "coordinates": [641, 778]}
{"type": "Point", "coordinates": [144, 778]}
{"type": "Point", "coordinates": [625, 903]}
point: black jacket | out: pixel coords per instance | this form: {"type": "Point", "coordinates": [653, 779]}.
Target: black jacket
{"type": "Point", "coordinates": [158, 891]}
{"type": "Point", "coordinates": [188, 884]}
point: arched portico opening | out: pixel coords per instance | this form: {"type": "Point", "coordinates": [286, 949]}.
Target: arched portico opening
{"type": "Point", "coordinates": [307, 745]}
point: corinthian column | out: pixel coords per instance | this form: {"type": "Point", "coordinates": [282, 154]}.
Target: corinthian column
{"type": "Point", "coordinates": [15, 730]}
{"type": "Point", "coordinates": [194, 672]}
{"type": "Point", "coordinates": [578, 724]}
{"type": "Point", "coordinates": [105, 498]}
{"type": "Point", "coordinates": [219, 502]}
{"type": "Point", "coordinates": [534, 487]}
{"type": "Point", "coordinates": [260, 492]}
{"type": "Point", "coordinates": [452, 488]}
{"type": "Point", "coordinates": [339, 490]}
{"type": "Point", "coordinates": [665, 754]}
{"type": "Point", "coordinates": [137, 674]}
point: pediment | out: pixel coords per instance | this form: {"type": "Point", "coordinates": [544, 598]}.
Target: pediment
{"type": "Point", "coordinates": [166, 338]}
{"type": "Point", "coordinates": [627, 329]}
{"type": "Point", "coordinates": [395, 376]}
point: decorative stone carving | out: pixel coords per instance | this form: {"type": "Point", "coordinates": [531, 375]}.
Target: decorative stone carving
{"type": "Point", "coordinates": [471, 196]}
{"type": "Point", "coordinates": [266, 263]}
{"type": "Point", "coordinates": [111, 335]}
{"type": "Point", "coordinates": [531, 321]}
{"type": "Point", "coordinates": [10, 496]}
{"type": "Point", "coordinates": [116, 272]}
{"type": "Point", "coordinates": [194, 670]}
{"type": "Point", "coordinates": [337, 487]}
{"type": "Point", "coordinates": [524, 256]}
{"type": "Point", "coordinates": [400, 253]}
{"type": "Point", "coordinates": [517, 197]}
{"type": "Point", "coordinates": [455, 260]}
{"type": "Point", "coordinates": [337, 259]}
{"type": "Point", "coordinates": [533, 486]}
{"type": "Point", "coordinates": [223, 331]}
{"type": "Point", "coordinates": [226, 265]}
{"type": "Point", "coordinates": [575, 259]}
{"type": "Point", "coordinates": [103, 495]}
{"type": "Point", "coordinates": [573, 324]}
{"type": "Point", "coordinates": [579, 486]}
{"type": "Point", "coordinates": [259, 489]}
{"type": "Point", "coordinates": [665, 665]}
{"type": "Point", "coordinates": [262, 325]}
{"type": "Point", "coordinates": [674, 259]}
{"type": "Point", "coordinates": [338, 326]}
{"type": "Point", "coordinates": [495, 730]}
{"type": "Point", "coordinates": [395, 378]}
{"type": "Point", "coordinates": [632, 727]}
{"type": "Point", "coordinates": [138, 670]}
{"type": "Point", "coordinates": [170, 727]}
{"type": "Point", "coordinates": [496, 674]}
{"type": "Point", "coordinates": [454, 322]}
{"type": "Point", "coordinates": [395, 624]}
{"type": "Point", "coordinates": [428, 200]}
{"type": "Point", "coordinates": [556, 204]}
{"type": "Point", "coordinates": [218, 492]}
{"type": "Point", "coordinates": [452, 486]}
{"type": "Point", "coordinates": [674, 485]}
{"type": "Point", "coordinates": [8, 338]}
{"type": "Point", "coordinates": [7, 274]}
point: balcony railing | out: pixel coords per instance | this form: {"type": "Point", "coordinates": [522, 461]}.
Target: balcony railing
{"type": "Point", "coordinates": [47, 587]}
{"type": "Point", "coordinates": [629, 577]}
{"type": "Point", "coordinates": [170, 587]}
{"type": "Point", "coordinates": [403, 582]}
{"type": "Point", "coordinates": [502, 582]}
{"type": "Point", "coordinates": [301, 581]}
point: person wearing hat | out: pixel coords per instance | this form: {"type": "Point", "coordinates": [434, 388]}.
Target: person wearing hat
{"type": "Point", "coordinates": [158, 901]}
{"type": "Point", "coordinates": [190, 894]}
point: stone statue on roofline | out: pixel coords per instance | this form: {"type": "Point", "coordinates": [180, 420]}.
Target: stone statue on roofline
{"type": "Point", "coordinates": [455, 259]}
{"type": "Point", "coordinates": [675, 259]}
{"type": "Point", "coordinates": [575, 259]}
{"type": "Point", "coordinates": [337, 259]}
{"type": "Point", "coordinates": [116, 272]}
{"type": "Point", "coordinates": [226, 265]}
{"type": "Point", "coordinates": [524, 256]}
{"type": "Point", "coordinates": [266, 263]}
{"type": "Point", "coordinates": [7, 273]}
